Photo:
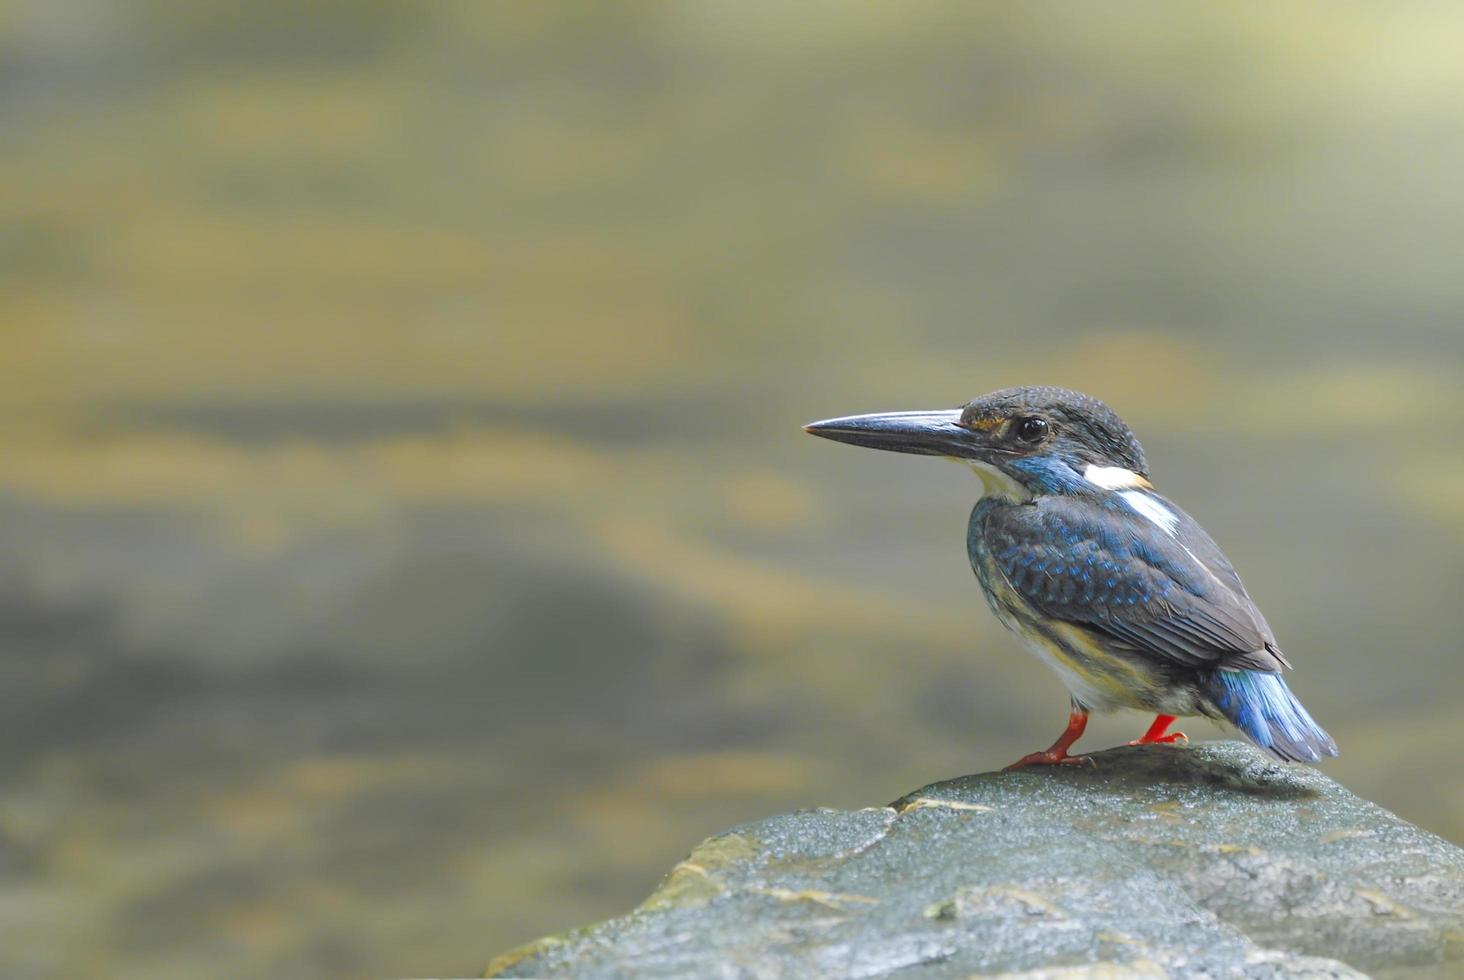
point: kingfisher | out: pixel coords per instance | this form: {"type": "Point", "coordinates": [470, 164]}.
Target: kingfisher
{"type": "Point", "coordinates": [1110, 584]}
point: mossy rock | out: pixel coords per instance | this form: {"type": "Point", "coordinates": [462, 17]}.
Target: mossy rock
{"type": "Point", "coordinates": [1161, 860]}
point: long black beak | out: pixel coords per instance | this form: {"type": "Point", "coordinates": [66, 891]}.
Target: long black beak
{"type": "Point", "coordinates": [934, 433]}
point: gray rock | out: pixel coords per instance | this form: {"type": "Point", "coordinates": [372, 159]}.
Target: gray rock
{"type": "Point", "coordinates": [1207, 860]}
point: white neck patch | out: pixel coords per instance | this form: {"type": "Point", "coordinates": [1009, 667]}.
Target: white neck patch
{"type": "Point", "coordinates": [1131, 487]}
{"type": "Point", "coordinates": [1113, 477]}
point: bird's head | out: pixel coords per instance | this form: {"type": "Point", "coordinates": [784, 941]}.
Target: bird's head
{"type": "Point", "coordinates": [1021, 441]}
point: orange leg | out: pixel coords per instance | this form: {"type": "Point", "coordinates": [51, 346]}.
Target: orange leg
{"type": "Point", "coordinates": [1057, 755]}
{"type": "Point", "coordinates": [1155, 734]}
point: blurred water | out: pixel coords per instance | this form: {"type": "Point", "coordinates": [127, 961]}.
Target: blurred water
{"type": "Point", "coordinates": [410, 545]}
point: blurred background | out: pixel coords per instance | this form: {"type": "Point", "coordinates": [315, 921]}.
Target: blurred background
{"type": "Point", "coordinates": [409, 543]}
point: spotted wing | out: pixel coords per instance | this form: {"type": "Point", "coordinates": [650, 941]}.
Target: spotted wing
{"type": "Point", "coordinates": [1159, 586]}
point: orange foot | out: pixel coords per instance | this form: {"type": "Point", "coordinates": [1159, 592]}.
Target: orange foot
{"type": "Point", "coordinates": [1056, 754]}
{"type": "Point", "coordinates": [1051, 758]}
{"type": "Point", "coordinates": [1155, 735]}
{"type": "Point", "coordinates": [1169, 739]}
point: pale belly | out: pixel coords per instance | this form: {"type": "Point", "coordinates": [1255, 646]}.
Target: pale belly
{"type": "Point", "coordinates": [1098, 680]}
{"type": "Point", "coordinates": [1087, 689]}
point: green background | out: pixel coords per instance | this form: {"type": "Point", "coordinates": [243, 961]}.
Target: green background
{"type": "Point", "coordinates": [410, 546]}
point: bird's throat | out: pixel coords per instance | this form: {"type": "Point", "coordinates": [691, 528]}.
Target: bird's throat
{"type": "Point", "coordinates": [995, 483]}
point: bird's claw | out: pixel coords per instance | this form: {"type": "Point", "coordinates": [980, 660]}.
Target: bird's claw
{"type": "Point", "coordinates": [1169, 739]}
{"type": "Point", "coordinates": [1050, 758]}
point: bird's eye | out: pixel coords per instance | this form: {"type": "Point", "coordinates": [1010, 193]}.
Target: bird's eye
{"type": "Point", "coordinates": [1032, 430]}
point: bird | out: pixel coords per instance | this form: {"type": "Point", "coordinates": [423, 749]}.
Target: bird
{"type": "Point", "coordinates": [1109, 583]}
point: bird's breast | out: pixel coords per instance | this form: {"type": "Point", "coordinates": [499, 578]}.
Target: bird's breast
{"type": "Point", "coordinates": [1099, 673]}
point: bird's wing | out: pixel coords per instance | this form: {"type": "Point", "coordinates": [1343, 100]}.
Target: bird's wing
{"type": "Point", "coordinates": [1150, 578]}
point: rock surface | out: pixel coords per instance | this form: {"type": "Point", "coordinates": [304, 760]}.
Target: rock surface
{"type": "Point", "coordinates": [1162, 860]}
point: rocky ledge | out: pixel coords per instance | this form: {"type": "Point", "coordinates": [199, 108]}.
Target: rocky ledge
{"type": "Point", "coordinates": [1206, 860]}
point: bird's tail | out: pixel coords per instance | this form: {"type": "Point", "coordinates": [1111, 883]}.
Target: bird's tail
{"type": "Point", "coordinates": [1261, 705]}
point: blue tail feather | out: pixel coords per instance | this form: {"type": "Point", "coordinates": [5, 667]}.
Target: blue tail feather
{"type": "Point", "coordinates": [1261, 705]}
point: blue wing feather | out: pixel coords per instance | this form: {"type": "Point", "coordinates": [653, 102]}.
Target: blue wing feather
{"type": "Point", "coordinates": [1097, 562]}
